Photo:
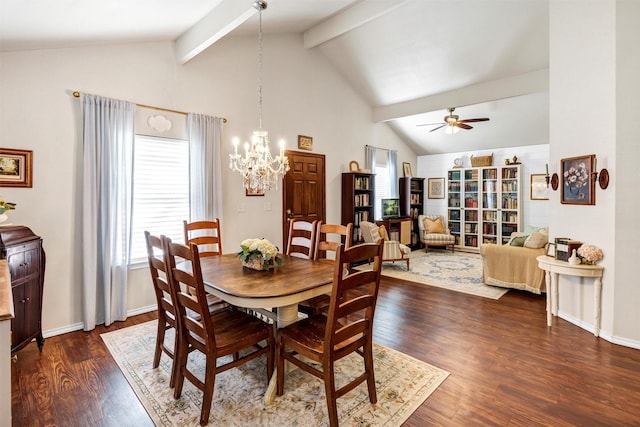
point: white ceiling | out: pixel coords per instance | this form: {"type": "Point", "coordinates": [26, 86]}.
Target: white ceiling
{"type": "Point", "coordinates": [410, 59]}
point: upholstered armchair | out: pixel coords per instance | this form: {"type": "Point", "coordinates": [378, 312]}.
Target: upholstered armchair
{"type": "Point", "coordinates": [393, 251]}
{"type": "Point", "coordinates": [434, 232]}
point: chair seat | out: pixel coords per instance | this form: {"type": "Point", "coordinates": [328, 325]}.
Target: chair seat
{"type": "Point", "coordinates": [236, 329]}
{"type": "Point", "coordinates": [404, 248]}
{"type": "Point", "coordinates": [439, 238]}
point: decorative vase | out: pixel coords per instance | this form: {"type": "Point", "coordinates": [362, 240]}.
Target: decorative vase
{"type": "Point", "coordinates": [574, 260]}
{"type": "Point", "coordinates": [256, 264]}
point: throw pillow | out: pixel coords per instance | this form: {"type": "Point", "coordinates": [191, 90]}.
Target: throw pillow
{"type": "Point", "coordinates": [375, 232]}
{"type": "Point", "coordinates": [434, 226]}
{"type": "Point", "coordinates": [531, 229]}
{"type": "Point", "coordinates": [383, 233]}
{"type": "Point", "coordinates": [518, 241]}
{"type": "Point", "coordinates": [536, 240]}
{"type": "Point", "coordinates": [514, 235]}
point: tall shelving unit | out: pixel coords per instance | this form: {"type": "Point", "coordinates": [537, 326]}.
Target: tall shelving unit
{"type": "Point", "coordinates": [358, 198]}
{"type": "Point", "coordinates": [412, 205]}
{"type": "Point", "coordinates": [484, 204]}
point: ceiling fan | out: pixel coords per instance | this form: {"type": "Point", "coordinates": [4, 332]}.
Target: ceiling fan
{"type": "Point", "coordinates": [453, 123]}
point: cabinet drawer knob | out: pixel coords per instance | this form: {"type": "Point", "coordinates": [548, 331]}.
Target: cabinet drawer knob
{"type": "Point", "coordinates": [22, 301]}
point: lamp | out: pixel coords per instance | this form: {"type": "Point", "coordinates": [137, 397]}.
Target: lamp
{"type": "Point", "coordinates": [260, 171]}
{"type": "Point", "coordinates": [601, 177]}
{"type": "Point", "coordinates": [451, 129]}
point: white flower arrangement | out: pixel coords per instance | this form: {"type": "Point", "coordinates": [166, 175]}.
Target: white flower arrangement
{"type": "Point", "coordinates": [262, 250]}
{"type": "Point", "coordinates": [590, 253]}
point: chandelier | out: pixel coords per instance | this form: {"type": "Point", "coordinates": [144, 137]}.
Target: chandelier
{"type": "Point", "coordinates": [260, 171]}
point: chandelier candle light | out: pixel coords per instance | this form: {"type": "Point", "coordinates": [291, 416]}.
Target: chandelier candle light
{"type": "Point", "coordinates": [260, 171]}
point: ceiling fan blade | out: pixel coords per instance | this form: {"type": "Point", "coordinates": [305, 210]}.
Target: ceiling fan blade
{"type": "Point", "coordinates": [484, 119]}
{"type": "Point", "coordinates": [441, 126]}
{"type": "Point", "coordinates": [463, 126]}
{"type": "Point", "coordinates": [430, 124]}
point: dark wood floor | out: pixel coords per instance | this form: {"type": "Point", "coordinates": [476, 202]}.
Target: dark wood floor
{"type": "Point", "coordinates": [507, 368]}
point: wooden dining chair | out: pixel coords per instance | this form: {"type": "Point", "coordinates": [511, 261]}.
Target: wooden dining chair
{"type": "Point", "coordinates": [302, 239]}
{"type": "Point", "coordinates": [166, 306]}
{"type": "Point", "coordinates": [347, 328]}
{"type": "Point", "coordinates": [328, 238]}
{"type": "Point", "coordinates": [216, 335]}
{"type": "Point", "coordinates": [206, 234]}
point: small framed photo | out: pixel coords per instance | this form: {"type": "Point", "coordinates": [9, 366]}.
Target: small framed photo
{"type": "Point", "coordinates": [250, 192]}
{"type": "Point", "coordinates": [435, 188]}
{"type": "Point", "coordinates": [305, 143]}
{"type": "Point", "coordinates": [539, 188]}
{"type": "Point", "coordinates": [16, 168]}
{"type": "Point", "coordinates": [551, 249]}
{"type": "Point", "coordinates": [577, 186]}
{"type": "Point", "coordinates": [406, 169]}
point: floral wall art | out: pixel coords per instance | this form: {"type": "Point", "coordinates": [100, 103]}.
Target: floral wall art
{"type": "Point", "coordinates": [577, 186]}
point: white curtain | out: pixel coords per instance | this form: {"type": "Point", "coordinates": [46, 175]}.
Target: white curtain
{"type": "Point", "coordinates": [205, 166]}
{"type": "Point", "coordinates": [370, 158]}
{"type": "Point", "coordinates": [107, 138]}
{"type": "Point", "coordinates": [392, 164]}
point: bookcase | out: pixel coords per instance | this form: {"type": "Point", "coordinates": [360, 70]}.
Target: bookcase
{"type": "Point", "coordinates": [412, 205]}
{"type": "Point", "coordinates": [484, 204]}
{"type": "Point", "coordinates": [358, 198]}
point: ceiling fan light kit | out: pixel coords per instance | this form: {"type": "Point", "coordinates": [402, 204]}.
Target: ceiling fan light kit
{"type": "Point", "coordinates": [453, 124]}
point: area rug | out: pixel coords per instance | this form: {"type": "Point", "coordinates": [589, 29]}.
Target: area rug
{"type": "Point", "coordinates": [457, 271]}
{"type": "Point", "coordinates": [402, 383]}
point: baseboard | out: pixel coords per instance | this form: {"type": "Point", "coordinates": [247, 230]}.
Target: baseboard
{"type": "Point", "coordinates": [603, 334]}
{"type": "Point", "coordinates": [79, 326]}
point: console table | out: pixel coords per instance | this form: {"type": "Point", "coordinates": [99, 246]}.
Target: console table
{"type": "Point", "coordinates": [554, 268]}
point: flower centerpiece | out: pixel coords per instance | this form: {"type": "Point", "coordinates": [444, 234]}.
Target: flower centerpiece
{"type": "Point", "coordinates": [259, 254]}
{"type": "Point", "coordinates": [590, 254]}
{"type": "Point", "coordinates": [4, 207]}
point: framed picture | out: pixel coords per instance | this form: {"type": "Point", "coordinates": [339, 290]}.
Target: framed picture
{"type": "Point", "coordinates": [551, 249]}
{"type": "Point", "coordinates": [406, 169]}
{"type": "Point", "coordinates": [249, 192]}
{"type": "Point", "coordinates": [354, 166]}
{"type": "Point", "coordinates": [539, 189]}
{"type": "Point", "coordinates": [435, 188]}
{"type": "Point", "coordinates": [305, 143]}
{"type": "Point", "coordinates": [15, 168]}
{"type": "Point", "coordinates": [577, 186]}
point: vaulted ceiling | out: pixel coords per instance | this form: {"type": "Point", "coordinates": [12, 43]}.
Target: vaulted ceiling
{"type": "Point", "coordinates": [410, 59]}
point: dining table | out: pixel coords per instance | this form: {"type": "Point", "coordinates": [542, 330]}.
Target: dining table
{"type": "Point", "coordinates": [281, 287]}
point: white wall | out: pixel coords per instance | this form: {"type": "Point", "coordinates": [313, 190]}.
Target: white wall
{"type": "Point", "coordinates": [593, 92]}
{"type": "Point", "coordinates": [302, 95]}
{"type": "Point", "coordinates": [532, 157]}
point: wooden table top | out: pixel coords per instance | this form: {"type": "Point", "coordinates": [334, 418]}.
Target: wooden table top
{"type": "Point", "coordinates": [227, 275]}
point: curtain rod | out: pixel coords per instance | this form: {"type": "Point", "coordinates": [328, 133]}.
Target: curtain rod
{"type": "Point", "coordinates": [76, 94]}
{"type": "Point", "coordinates": [378, 148]}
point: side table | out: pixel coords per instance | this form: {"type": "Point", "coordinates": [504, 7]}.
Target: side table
{"type": "Point", "coordinates": [554, 268]}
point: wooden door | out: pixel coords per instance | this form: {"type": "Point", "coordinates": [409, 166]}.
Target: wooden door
{"type": "Point", "coordinates": [303, 195]}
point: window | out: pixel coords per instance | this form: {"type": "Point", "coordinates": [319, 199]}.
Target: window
{"type": "Point", "coordinates": [383, 189]}
{"type": "Point", "coordinates": [160, 191]}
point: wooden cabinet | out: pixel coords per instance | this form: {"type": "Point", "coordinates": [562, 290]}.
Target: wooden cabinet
{"type": "Point", "coordinates": [412, 205]}
{"type": "Point", "coordinates": [23, 251]}
{"type": "Point", "coordinates": [484, 204]}
{"type": "Point", "coordinates": [358, 199]}
{"type": "Point", "coordinates": [399, 229]}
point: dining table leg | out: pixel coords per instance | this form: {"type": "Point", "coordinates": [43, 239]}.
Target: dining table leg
{"type": "Point", "coordinates": [286, 315]}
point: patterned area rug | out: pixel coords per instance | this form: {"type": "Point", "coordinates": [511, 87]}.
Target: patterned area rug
{"type": "Point", "coordinates": [460, 272]}
{"type": "Point", "coordinates": [402, 382]}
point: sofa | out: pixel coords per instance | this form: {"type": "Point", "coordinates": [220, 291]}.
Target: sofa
{"type": "Point", "coordinates": [514, 264]}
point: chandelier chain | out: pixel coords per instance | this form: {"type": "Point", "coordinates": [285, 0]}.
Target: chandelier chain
{"type": "Point", "coordinates": [260, 66]}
